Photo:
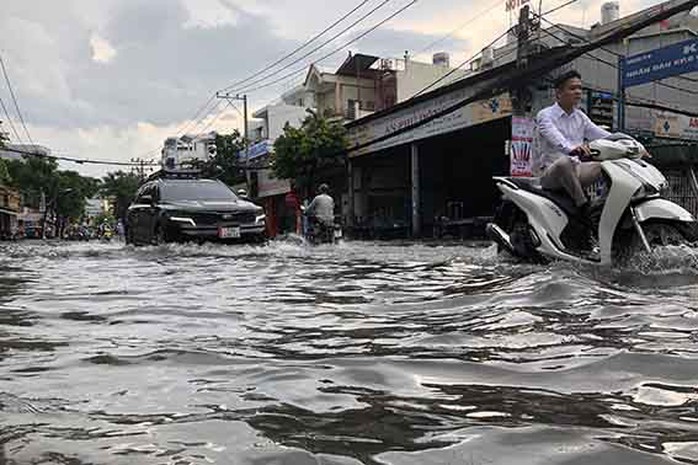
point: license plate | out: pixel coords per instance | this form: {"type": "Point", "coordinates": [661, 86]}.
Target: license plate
{"type": "Point", "coordinates": [229, 233]}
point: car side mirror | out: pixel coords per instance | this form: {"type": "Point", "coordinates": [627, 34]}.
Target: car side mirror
{"type": "Point", "coordinates": [147, 199]}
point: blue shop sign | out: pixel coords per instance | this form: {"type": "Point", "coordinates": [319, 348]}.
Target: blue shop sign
{"type": "Point", "coordinates": [256, 150]}
{"type": "Point", "coordinates": [679, 58]}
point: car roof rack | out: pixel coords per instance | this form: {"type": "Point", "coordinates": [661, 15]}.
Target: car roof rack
{"type": "Point", "coordinates": [177, 174]}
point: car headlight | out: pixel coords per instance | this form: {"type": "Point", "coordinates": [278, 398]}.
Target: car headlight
{"type": "Point", "coordinates": [260, 218]}
{"type": "Point", "coordinates": [179, 218]}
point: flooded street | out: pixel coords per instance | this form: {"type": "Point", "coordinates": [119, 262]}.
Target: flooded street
{"type": "Point", "coordinates": [364, 353]}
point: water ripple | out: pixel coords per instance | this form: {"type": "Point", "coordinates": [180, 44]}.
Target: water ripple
{"type": "Point", "coordinates": [364, 353]}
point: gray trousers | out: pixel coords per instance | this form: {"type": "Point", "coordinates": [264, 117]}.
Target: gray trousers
{"type": "Point", "coordinates": [565, 174]}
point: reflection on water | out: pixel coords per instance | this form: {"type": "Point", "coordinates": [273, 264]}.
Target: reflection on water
{"type": "Point", "coordinates": [361, 353]}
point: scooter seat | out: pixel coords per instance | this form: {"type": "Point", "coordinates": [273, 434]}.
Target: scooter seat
{"type": "Point", "coordinates": [560, 199]}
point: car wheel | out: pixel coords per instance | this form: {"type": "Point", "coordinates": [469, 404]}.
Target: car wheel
{"type": "Point", "coordinates": [128, 237]}
{"type": "Point", "coordinates": [159, 237]}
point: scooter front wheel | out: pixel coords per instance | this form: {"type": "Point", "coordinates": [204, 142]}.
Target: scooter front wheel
{"type": "Point", "coordinates": [658, 234]}
{"type": "Point", "coordinates": [661, 234]}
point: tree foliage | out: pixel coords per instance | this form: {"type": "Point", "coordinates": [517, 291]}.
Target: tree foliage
{"type": "Point", "coordinates": [64, 191]}
{"type": "Point", "coordinates": [72, 191]}
{"type": "Point", "coordinates": [301, 153]}
{"type": "Point", "coordinates": [122, 187]}
{"type": "Point", "coordinates": [227, 148]}
{"type": "Point", "coordinates": [4, 137]}
{"type": "Point", "coordinates": [5, 178]}
{"type": "Point", "coordinates": [4, 171]}
{"type": "Point", "coordinates": [34, 176]}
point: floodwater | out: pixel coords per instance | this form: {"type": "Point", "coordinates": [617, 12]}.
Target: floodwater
{"type": "Point", "coordinates": [361, 353]}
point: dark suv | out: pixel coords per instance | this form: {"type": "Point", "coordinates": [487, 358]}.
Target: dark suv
{"type": "Point", "coordinates": [167, 210]}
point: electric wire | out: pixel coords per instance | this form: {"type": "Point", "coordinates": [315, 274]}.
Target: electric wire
{"type": "Point", "coordinates": [590, 55]}
{"type": "Point", "coordinates": [79, 161]}
{"type": "Point", "coordinates": [459, 28]}
{"type": "Point", "coordinates": [605, 49]}
{"type": "Point", "coordinates": [307, 54]}
{"type": "Point", "coordinates": [9, 121]}
{"type": "Point", "coordinates": [472, 58]}
{"type": "Point", "coordinates": [457, 68]}
{"type": "Point", "coordinates": [213, 121]}
{"type": "Point", "coordinates": [335, 51]}
{"type": "Point", "coordinates": [302, 46]}
{"type": "Point", "coordinates": [199, 116]}
{"type": "Point", "coordinates": [14, 99]}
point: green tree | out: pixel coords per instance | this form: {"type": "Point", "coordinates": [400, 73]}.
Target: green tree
{"type": "Point", "coordinates": [122, 187]}
{"type": "Point", "coordinates": [5, 178]}
{"type": "Point", "coordinates": [4, 171]}
{"type": "Point", "coordinates": [300, 154]}
{"type": "Point", "coordinates": [70, 193]}
{"type": "Point", "coordinates": [4, 137]}
{"type": "Point", "coordinates": [64, 192]}
{"type": "Point", "coordinates": [227, 148]}
{"type": "Point", "coordinates": [34, 176]}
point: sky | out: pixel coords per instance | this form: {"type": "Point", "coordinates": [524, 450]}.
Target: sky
{"type": "Point", "coordinates": [111, 79]}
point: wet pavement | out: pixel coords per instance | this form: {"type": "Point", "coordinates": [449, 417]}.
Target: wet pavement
{"type": "Point", "coordinates": [361, 353]}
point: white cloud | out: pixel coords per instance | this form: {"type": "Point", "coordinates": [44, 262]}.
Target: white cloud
{"type": "Point", "coordinates": [34, 62]}
{"type": "Point", "coordinates": [209, 14]}
{"type": "Point", "coordinates": [102, 51]}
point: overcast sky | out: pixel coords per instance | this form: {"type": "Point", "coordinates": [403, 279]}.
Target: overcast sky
{"type": "Point", "coordinates": [111, 79]}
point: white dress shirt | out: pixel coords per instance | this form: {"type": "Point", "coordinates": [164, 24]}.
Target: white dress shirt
{"type": "Point", "coordinates": [559, 132]}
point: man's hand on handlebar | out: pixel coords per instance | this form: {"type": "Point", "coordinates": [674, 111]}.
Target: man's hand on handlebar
{"type": "Point", "coordinates": [582, 152]}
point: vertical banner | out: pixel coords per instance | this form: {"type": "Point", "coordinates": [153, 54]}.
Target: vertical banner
{"type": "Point", "coordinates": [521, 146]}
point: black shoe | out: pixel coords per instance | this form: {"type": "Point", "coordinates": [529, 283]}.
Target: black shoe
{"type": "Point", "coordinates": [589, 217]}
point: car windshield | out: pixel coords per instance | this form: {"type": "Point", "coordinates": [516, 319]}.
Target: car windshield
{"type": "Point", "coordinates": [197, 191]}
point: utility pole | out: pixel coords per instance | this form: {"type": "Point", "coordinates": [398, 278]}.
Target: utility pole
{"type": "Point", "coordinates": [238, 97]}
{"type": "Point", "coordinates": [246, 137]}
{"type": "Point", "coordinates": [620, 109]}
{"type": "Point", "coordinates": [521, 100]}
{"type": "Point", "coordinates": [521, 95]}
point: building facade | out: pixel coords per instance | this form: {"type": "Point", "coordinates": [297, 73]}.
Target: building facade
{"type": "Point", "coordinates": [183, 153]}
{"type": "Point", "coordinates": [9, 211]}
{"type": "Point", "coordinates": [361, 85]}
{"type": "Point", "coordinates": [265, 188]}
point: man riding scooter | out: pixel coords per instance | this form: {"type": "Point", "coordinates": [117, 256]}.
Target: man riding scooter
{"type": "Point", "coordinates": [320, 215]}
{"type": "Point", "coordinates": [562, 158]}
{"type": "Point", "coordinates": [551, 217]}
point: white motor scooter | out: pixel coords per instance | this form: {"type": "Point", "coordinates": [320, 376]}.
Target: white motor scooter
{"type": "Point", "coordinates": [536, 224]}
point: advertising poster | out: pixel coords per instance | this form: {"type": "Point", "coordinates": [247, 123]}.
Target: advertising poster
{"type": "Point", "coordinates": [521, 151]}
